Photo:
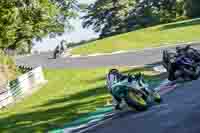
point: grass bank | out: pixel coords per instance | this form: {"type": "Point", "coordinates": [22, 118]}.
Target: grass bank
{"type": "Point", "coordinates": [183, 31]}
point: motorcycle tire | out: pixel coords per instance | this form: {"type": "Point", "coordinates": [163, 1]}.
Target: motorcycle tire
{"type": "Point", "coordinates": [136, 101]}
{"type": "Point", "coordinates": [55, 54]}
{"type": "Point", "coordinates": [171, 73]}
{"type": "Point", "coordinates": [157, 98]}
{"type": "Point", "coordinates": [195, 75]}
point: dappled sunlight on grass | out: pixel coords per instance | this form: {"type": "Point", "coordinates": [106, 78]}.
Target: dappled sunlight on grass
{"type": "Point", "coordinates": [69, 94]}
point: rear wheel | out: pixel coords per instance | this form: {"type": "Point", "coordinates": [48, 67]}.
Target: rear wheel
{"type": "Point", "coordinates": [165, 59]}
{"type": "Point", "coordinates": [171, 73]}
{"type": "Point", "coordinates": [136, 100]}
{"type": "Point", "coordinates": [55, 54]}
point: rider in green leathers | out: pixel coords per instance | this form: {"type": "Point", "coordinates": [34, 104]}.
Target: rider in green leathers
{"type": "Point", "coordinates": [114, 80]}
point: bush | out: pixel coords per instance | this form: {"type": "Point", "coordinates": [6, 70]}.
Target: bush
{"type": "Point", "coordinates": [192, 8]}
{"type": "Point", "coordinates": [6, 60]}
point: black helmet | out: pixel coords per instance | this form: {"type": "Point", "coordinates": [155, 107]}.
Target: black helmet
{"type": "Point", "coordinates": [187, 47]}
{"type": "Point", "coordinates": [178, 49]}
{"type": "Point", "coordinates": [113, 71]}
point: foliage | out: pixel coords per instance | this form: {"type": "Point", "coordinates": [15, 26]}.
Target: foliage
{"type": "Point", "coordinates": [6, 60]}
{"type": "Point", "coordinates": [110, 17]}
{"type": "Point", "coordinates": [23, 20]}
{"type": "Point", "coordinates": [192, 8]}
{"type": "Point", "coordinates": [8, 70]}
{"type": "Point", "coordinates": [180, 8]}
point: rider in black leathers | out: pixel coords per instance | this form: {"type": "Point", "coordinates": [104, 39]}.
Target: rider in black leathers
{"type": "Point", "coordinates": [58, 50]}
{"type": "Point", "coordinates": [173, 68]}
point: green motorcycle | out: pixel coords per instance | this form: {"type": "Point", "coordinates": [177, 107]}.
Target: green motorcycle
{"type": "Point", "coordinates": [135, 92]}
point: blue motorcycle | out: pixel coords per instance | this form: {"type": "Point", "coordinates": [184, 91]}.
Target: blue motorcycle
{"type": "Point", "coordinates": [189, 52]}
{"type": "Point", "coordinates": [180, 66]}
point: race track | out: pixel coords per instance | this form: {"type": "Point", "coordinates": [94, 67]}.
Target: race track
{"type": "Point", "coordinates": [138, 58]}
{"type": "Point", "coordinates": [179, 113]}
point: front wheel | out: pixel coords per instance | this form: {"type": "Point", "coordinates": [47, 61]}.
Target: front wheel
{"type": "Point", "coordinates": [136, 100]}
{"type": "Point", "coordinates": [157, 98]}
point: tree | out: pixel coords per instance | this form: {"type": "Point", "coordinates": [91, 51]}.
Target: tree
{"type": "Point", "coordinates": [192, 8]}
{"type": "Point", "coordinates": [180, 7]}
{"type": "Point", "coordinates": [143, 14]}
{"type": "Point", "coordinates": [108, 16]}
{"type": "Point", "coordinates": [23, 20]}
{"type": "Point", "coordinates": [150, 12]}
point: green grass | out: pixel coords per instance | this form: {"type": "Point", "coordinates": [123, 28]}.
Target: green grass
{"type": "Point", "coordinates": [182, 31]}
{"type": "Point", "coordinates": [68, 94]}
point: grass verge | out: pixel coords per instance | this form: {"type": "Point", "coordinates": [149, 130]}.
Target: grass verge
{"type": "Point", "coordinates": [183, 31]}
{"type": "Point", "coordinates": [68, 94]}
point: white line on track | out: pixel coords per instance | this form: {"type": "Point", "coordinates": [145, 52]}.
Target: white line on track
{"type": "Point", "coordinates": [96, 54]}
{"type": "Point", "coordinates": [138, 50]}
{"type": "Point", "coordinates": [75, 56]}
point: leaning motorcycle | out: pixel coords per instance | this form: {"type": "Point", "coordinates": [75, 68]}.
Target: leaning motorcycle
{"type": "Point", "coordinates": [135, 92]}
{"type": "Point", "coordinates": [180, 67]}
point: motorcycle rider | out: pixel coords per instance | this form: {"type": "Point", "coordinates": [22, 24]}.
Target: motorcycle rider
{"type": "Point", "coordinates": [59, 49]}
{"type": "Point", "coordinates": [113, 77]}
{"type": "Point", "coordinates": [183, 50]}
{"type": "Point", "coordinates": [56, 51]}
{"type": "Point", "coordinates": [192, 53]}
{"type": "Point", "coordinates": [174, 70]}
